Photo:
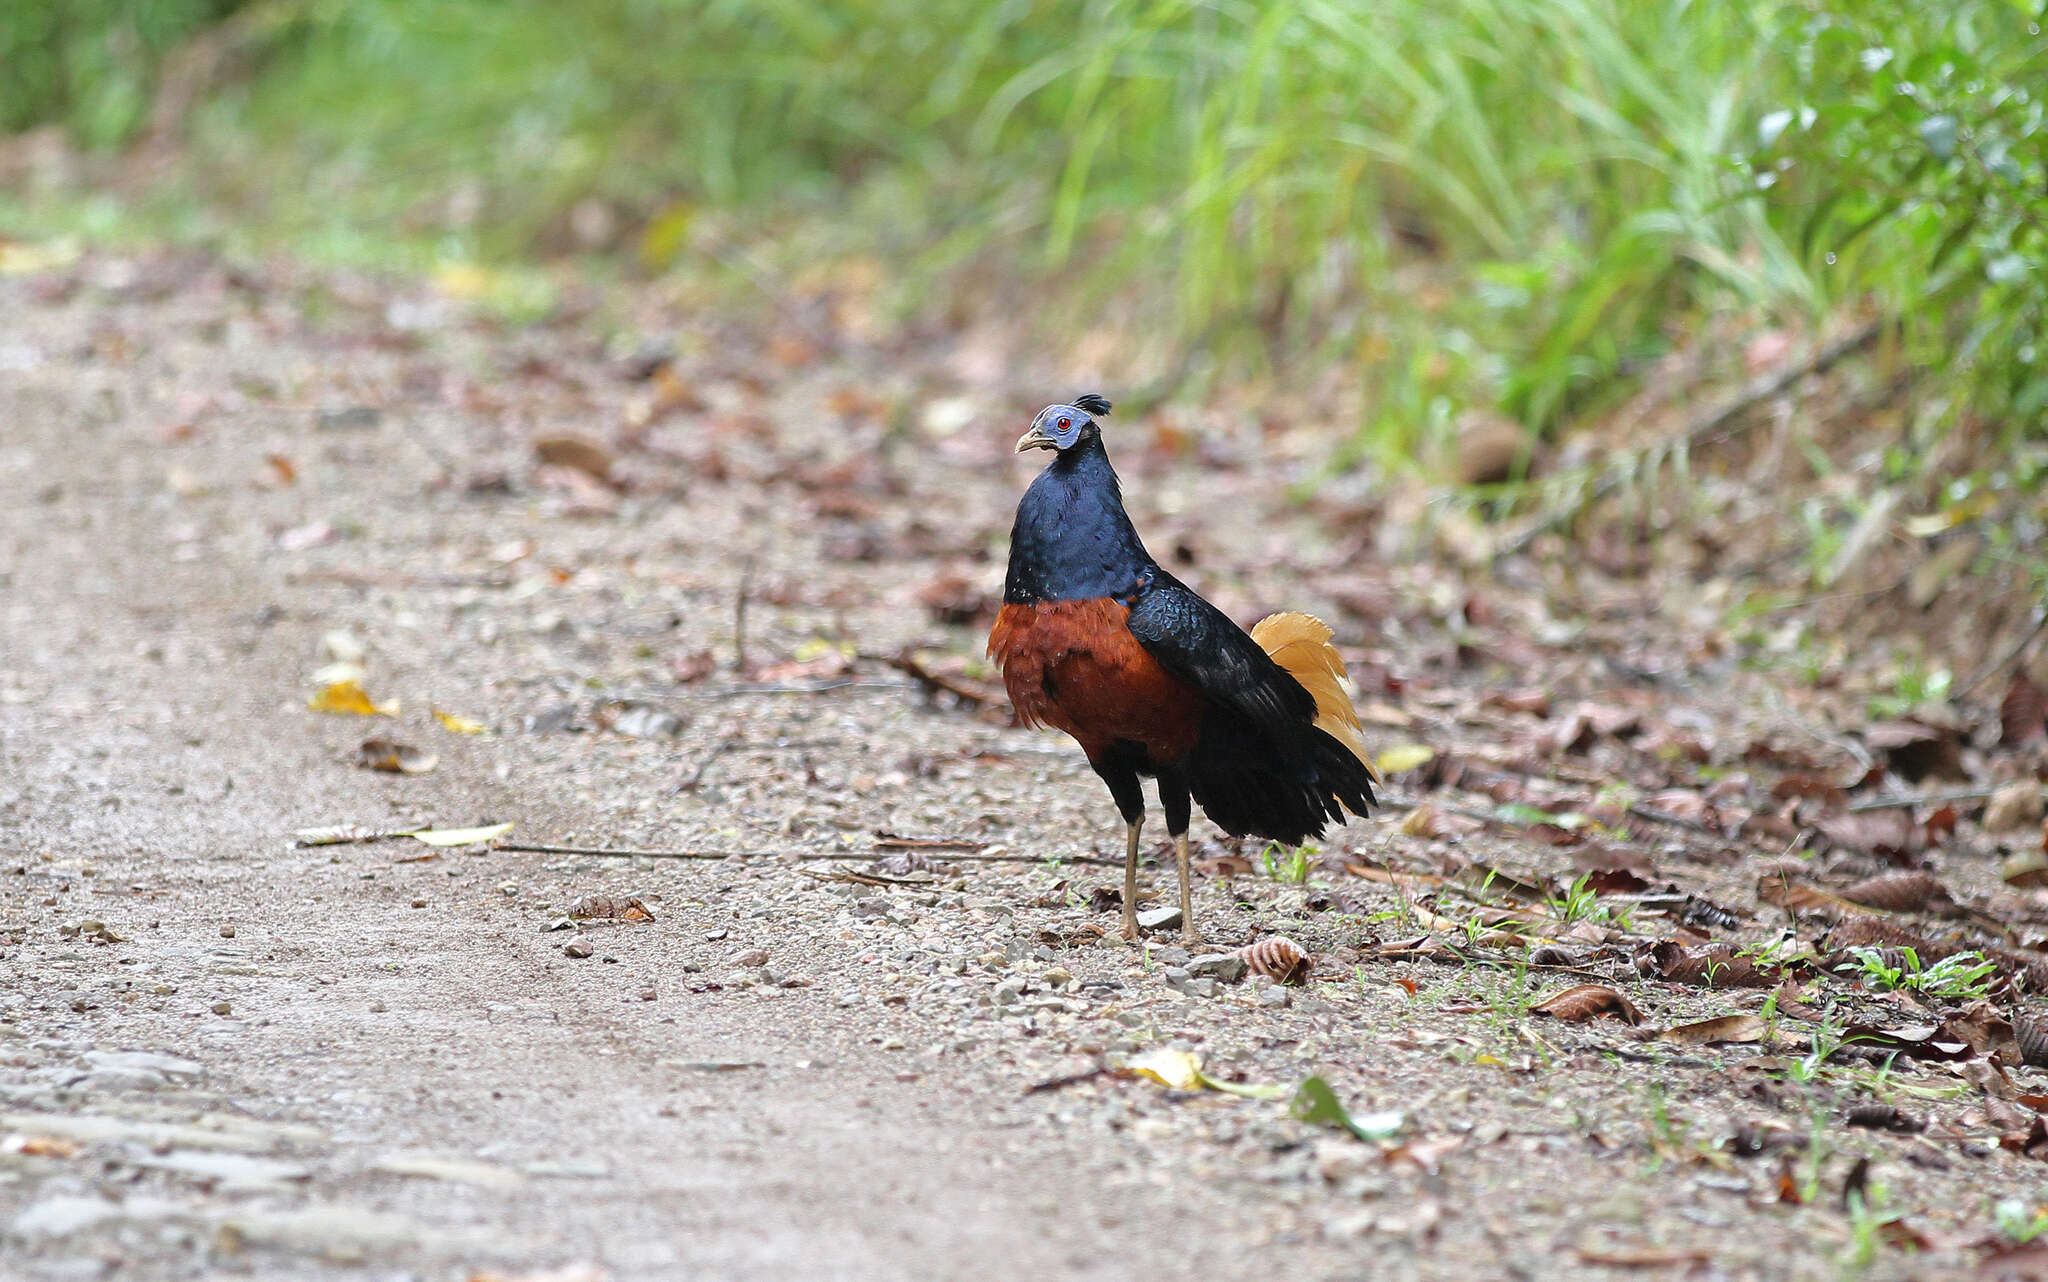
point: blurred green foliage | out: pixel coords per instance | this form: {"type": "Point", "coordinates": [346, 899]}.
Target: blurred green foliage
{"type": "Point", "coordinates": [1511, 204]}
{"type": "Point", "coordinates": [90, 64]}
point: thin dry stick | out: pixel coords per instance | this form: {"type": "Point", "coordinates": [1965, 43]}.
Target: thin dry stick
{"type": "Point", "coordinates": [614, 852]}
{"type": "Point", "coordinates": [975, 857]}
{"type": "Point", "coordinates": [1759, 390]}
{"type": "Point", "coordinates": [618, 852]}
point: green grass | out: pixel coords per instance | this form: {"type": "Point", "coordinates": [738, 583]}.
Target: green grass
{"type": "Point", "coordinates": [1469, 204]}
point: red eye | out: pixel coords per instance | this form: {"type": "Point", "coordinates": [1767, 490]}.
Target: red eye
{"type": "Point", "coordinates": [1066, 423]}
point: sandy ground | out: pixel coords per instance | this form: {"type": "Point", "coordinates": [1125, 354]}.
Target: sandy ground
{"type": "Point", "coordinates": [376, 1060]}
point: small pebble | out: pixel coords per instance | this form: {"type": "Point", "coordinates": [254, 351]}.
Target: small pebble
{"type": "Point", "coordinates": [227, 932]}
{"type": "Point", "coordinates": [419, 903]}
{"type": "Point", "coordinates": [752, 957]}
{"type": "Point", "coordinates": [647, 994]}
{"type": "Point", "coordinates": [377, 1008]}
{"type": "Point", "coordinates": [223, 1008]}
{"type": "Point", "coordinates": [578, 946]}
{"type": "Point", "coordinates": [1057, 977]}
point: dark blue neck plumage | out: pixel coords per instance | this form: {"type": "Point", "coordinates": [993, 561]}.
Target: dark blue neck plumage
{"type": "Point", "coordinates": [1072, 540]}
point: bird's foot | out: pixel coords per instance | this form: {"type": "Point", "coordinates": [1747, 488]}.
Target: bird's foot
{"type": "Point", "coordinates": [1190, 937]}
{"type": "Point", "coordinates": [1130, 930]}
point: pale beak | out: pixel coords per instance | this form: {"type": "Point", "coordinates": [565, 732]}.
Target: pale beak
{"type": "Point", "coordinates": [1036, 440]}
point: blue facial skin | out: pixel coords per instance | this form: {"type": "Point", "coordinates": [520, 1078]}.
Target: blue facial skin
{"type": "Point", "coordinates": [1072, 540]}
{"type": "Point", "coordinates": [1061, 424]}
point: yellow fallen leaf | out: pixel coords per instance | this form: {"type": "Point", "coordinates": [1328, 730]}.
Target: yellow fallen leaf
{"type": "Point", "coordinates": [1178, 1070]}
{"type": "Point", "coordinates": [460, 836]}
{"type": "Point", "coordinates": [348, 697]}
{"type": "Point", "coordinates": [457, 725]}
{"type": "Point", "coordinates": [1403, 756]}
{"type": "Point", "coordinates": [463, 280]}
{"type": "Point", "coordinates": [22, 258]}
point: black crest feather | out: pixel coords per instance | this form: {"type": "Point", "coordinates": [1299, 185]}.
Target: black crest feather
{"type": "Point", "coordinates": [1092, 403]}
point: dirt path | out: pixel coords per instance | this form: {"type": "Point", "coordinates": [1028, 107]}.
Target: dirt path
{"type": "Point", "coordinates": [375, 1059]}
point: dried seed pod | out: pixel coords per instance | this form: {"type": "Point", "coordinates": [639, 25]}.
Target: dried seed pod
{"type": "Point", "coordinates": [1903, 891]}
{"type": "Point", "coordinates": [1278, 958]}
{"type": "Point", "coordinates": [617, 908]}
{"type": "Point", "coordinates": [2032, 1034]}
{"type": "Point", "coordinates": [1883, 1117]}
{"type": "Point", "coordinates": [1581, 1002]}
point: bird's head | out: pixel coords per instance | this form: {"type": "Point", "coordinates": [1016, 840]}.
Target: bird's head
{"type": "Point", "coordinates": [1062, 427]}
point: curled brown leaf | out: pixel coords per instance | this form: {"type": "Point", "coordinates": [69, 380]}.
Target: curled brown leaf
{"type": "Point", "coordinates": [1581, 1002]}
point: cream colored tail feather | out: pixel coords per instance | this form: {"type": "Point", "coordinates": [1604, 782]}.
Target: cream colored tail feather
{"type": "Point", "coordinates": [1300, 644]}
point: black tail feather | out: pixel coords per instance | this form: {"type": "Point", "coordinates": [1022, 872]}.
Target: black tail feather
{"type": "Point", "coordinates": [1247, 792]}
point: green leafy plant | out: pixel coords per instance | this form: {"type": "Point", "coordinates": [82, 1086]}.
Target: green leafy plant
{"type": "Point", "coordinates": [2020, 1222]}
{"type": "Point", "coordinates": [1914, 685]}
{"type": "Point", "coordinates": [1579, 902]}
{"type": "Point", "coordinates": [1962, 977]}
{"type": "Point", "coordinates": [1289, 866]}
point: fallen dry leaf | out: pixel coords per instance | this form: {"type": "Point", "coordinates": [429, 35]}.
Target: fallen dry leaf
{"type": "Point", "coordinates": [587, 457]}
{"type": "Point", "coordinates": [1710, 1032]}
{"type": "Point", "coordinates": [1713, 965]}
{"type": "Point", "coordinates": [1177, 1070]}
{"type": "Point", "coordinates": [1915, 750]}
{"type": "Point", "coordinates": [1581, 1002]}
{"type": "Point", "coordinates": [2023, 713]}
{"type": "Point", "coordinates": [566, 1273]}
{"type": "Point", "coordinates": [1424, 1153]}
{"type": "Point", "coordinates": [2014, 806]}
{"type": "Point", "coordinates": [40, 1146]}
{"type": "Point", "coordinates": [348, 698]}
{"type": "Point", "coordinates": [457, 725]}
{"type": "Point", "coordinates": [395, 758]}
{"type": "Point", "coordinates": [1403, 757]}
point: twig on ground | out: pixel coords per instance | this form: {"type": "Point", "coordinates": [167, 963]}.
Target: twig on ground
{"type": "Point", "coordinates": [711, 755]}
{"type": "Point", "coordinates": [1757, 391]}
{"type": "Point", "coordinates": [866, 878]}
{"type": "Point", "coordinates": [933, 682]}
{"type": "Point", "coordinates": [2019, 648]}
{"type": "Point", "coordinates": [1070, 1079]}
{"type": "Point", "coordinates": [1919, 799]}
{"type": "Point", "coordinates": [885, 840]}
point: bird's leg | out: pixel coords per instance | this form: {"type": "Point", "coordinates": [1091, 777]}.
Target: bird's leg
{"type": "Point", "coordinates": [1188, 934]}
{"type": "Point", "coordinates": [1177, 802]}
{"type": "Point", "coordinates": [1123, 784]}
{"type": "Point", "coordinates": [1131, 877]}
